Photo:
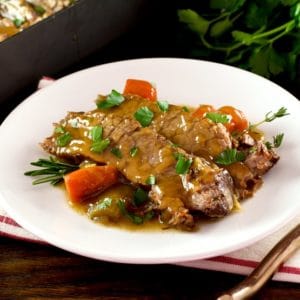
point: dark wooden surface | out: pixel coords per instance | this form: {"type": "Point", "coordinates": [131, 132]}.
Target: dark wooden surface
{"type": "Point", "coordinates": [34, 271]}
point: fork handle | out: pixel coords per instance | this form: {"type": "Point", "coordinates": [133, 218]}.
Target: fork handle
{"type": "Point", "coordinates": [269, 265]}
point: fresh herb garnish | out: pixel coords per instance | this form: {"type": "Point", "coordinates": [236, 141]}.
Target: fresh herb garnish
{"type": "Point", "coordinates": [18, 22]}
{"type": "Point", "coordinates": [40, 10]}
{"type": "Point", "coordinates": [113, 99]}
{"type": "Point", "coordinates": [144, 116]}
{"type": "Point", "coordinates": [116, 152]}
{"type": "Point", "coordinates": [138, 220]}
{"type": "Point", "coordinates": [260, 36]}
{"type": "Point", "coordinates": [163, 105]}
{"type": "Point", "coordinates": [217, 117]}
{"type": "Point", "coordinates": [185, 108]}
{"type": "Point", "coordinates": [270, 116]}
{"type": "Point", "coordinates": [151, 180]}
{"type": "Point", "coordinates": [59, 129]}
{"type": "Point", "coordinates": [230, 156]}
{"type": "Point", "coordinates": [96, 133]}
{"type": "Point", "coordinates": [183, 164]}
{"type": "Point", "coordinates": [133, 151]}
{"type": "Point", "coordinates": [52, 170]}
{"type": "Point", "coordinates": [64, 139]}
{"type": "Point", "coordinates": [100, 205]}
{"type": "Point", "coordinates": [100, 146]}
{"type": "Point", "coordinates": [140, 197]}
{"type": "Point", "coordinates": [277, 141]}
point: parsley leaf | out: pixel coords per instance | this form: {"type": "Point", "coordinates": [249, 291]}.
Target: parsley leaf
{"type": "Point", "coordinates": [96, 133]}
{"type": "Point", "coordinates": [163, 105]}
{"type": "Point", "coordinates": [277, 141]}
{"type": "Point", "coordinates": [18, 22]}
{"type": "Point", "coordinates": [40, 10]}
{"type": "Point", "coordinates": [144, 116]}
{"type": "Point", "coordinates": [185, 109]}
{"type": "Point", "coordinates": [116, 152]}
{"type": "Point", "coordinates": [230, 156]}
{"type": "Point", "coordinates": [183, 164]}
{"type": "Point", "coordinates": [217, 117]}
{"type": "Point", "coordinates": [64, 139]}
{"type": "Point", "coordinates": [133, 151]}
{"type": "Point", "coordinates": [140, 197]}
{"type": "Point", "coordinates": [100, 146]}
{"type": "Point", "coordinates": [59, 129]}
{"type": "Point", "coordinates": [113, 99]}
{"type": "Point", "coordinates": [151, 180]}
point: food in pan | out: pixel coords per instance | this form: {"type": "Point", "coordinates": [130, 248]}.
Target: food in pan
{"type": "Point", "coordinates": [16, 15]}
{"type": "Point", "coordinates": [139, 159]}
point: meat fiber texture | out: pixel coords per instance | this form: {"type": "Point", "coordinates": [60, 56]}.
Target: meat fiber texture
{"type": "Point", "coordinates": [205, 187]}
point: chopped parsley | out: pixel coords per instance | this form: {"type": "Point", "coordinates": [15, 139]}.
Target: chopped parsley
{"type": "Point", "coordinates": [64, 139]}
{"type": "Point", "coordinates": [163, 105]}
{"type": "Point", "coordinates": [140, 197]}
{"type": "Point", "coordinates": [59, 129]}
{"type": "Point", "coordinates": [185, 108]}
{"type": "Point", "coordinates": [116, 152]}
{"type": "Point", "coordinates": [151, 180]}
{"type": "Point", "coordinates": [96, 133]}
{"type": "Point", "coordinates": [277, 141]}
{"type": "Point", "coordinates": [131, 216]}
{"type": "Point", "coordinates": [183, 164]}
{"type": "Point", "coordinates": [230, 156]}
{"type": "Point", "coordinates": [144, 116]}
{"type": "Point", "coordinates": [18, 22]}
{"type": "Point", "coordinates": [217, 117]}
{"type": "Point", "coordinates": [40, 10]}
{"type": "Point", "coordinates": [100, 146]}
{"type": "Point", "coordinates": [133, 151]}
{"type": "Point", "coordinates": [113, 99]}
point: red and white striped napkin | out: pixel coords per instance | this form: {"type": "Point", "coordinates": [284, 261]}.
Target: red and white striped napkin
{"type": "Point", "coordinates": [239, 262]}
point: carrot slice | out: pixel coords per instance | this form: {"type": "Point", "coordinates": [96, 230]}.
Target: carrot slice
{"type": "Point", "coordinates": [88, 182]}
{"type": "Point", "coordinates": [238, 122]}
{"type": "Point", "coordinates": [202, 110]}
{"type": "Point", "coordinates": [141, 88]}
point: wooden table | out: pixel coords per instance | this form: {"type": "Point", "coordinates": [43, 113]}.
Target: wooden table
{"type": "Point", "coordinates": [34, 271]}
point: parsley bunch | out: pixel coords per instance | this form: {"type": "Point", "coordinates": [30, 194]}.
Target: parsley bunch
{"type": "Point", "coordinates": [260, 36]}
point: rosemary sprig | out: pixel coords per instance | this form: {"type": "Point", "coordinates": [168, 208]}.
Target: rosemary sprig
{"type": "Point", "coordinates": [51, 170]}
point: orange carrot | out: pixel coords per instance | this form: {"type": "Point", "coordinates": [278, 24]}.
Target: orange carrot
{"type": "Point", "coordinates": [88, 182]}
{"type": "Point", "coordinates": [141, 88]}
{"type": "Point", "coordinates": [238, 121]}
{"type": "Point", "coordinates": [202, 110]}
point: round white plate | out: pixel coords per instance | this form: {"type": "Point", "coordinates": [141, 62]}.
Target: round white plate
{"type": "Point", "coordinates": [44, 211]}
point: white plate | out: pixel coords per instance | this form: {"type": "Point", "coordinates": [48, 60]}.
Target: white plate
{"type": "Point", "coordinates": [44, 211]}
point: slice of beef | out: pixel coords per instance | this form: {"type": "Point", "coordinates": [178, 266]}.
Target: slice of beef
{"type": "Point", "coordinates": [205, 187]}
{"type": "Point", "coordinates": [207, 139]}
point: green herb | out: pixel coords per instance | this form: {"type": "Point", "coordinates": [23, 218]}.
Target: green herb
{"type": "Point", "coordinates": [59, 129]}
{"type": "Point", "coordinates": [252, 149]}
{"type": "Point", "coordinates": [144, 116]}
{"type": "Point", "coordinates": [270, 116]}
{"type": "Point", "coordinates": [116, 152]}
{"type": "Point", "coordinates": [18, 22]}
{"type": "Point", "coordinates": [260, 36]}
{"type": "Point", "coordinates": [217, 117]}
{"type": "Point", "coordinates": [184, 108]}
{"type": "Point", "coordinates": [64, 139]}
{"type": "Point", "coordinates": [51, 170]}
{"type": "Point", "coordinates": [100, 205]}
{"type": "Point", "coordinates": [113, 99]}
{"type": "Point", "coordinates": [96, 133]}
{"type": "Point", "coordinates": [140, 197]}
{"type": "Point", "coordinates": [100, 146]}
{"type": "Point", "coordinates": [183, 164]}
{"type": "Point", "coordinates": [132, 217]}
{"type": "Point", "coordinates": [133, 151]}
{"type": "Point", "coordinates": [230, 156]}
{"type": "Point", "coordinates": [39, 9]}
{"type": "Point", "coordinates": [277, 141]}
{"type": "Point", "coordinates": [163, 105]}
{"type": "Point", "coordinates": [151, 180]}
